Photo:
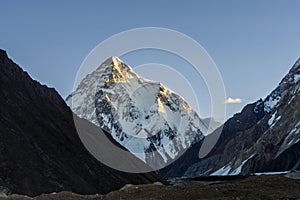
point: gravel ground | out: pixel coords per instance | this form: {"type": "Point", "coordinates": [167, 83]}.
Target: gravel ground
{"type": "Point", "coordinates": [259, 187]}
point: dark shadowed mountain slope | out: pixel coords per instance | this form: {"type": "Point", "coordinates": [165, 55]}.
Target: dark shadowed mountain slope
{"type": "Point", "coordinates": [40, 151]}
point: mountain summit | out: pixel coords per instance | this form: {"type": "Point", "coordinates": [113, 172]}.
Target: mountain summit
{"type": "Point", "coordinates": [148, 119]}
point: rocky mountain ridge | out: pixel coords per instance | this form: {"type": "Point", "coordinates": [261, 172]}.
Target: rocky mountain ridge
{"type": "Point", "coordinates": [263, 137]}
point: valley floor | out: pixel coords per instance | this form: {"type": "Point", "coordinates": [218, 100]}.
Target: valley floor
{"type": "Point", "coordinates": [255, 187]}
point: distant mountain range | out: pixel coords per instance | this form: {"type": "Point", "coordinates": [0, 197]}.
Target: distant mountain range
{"type": "Point", "coordinates": [144, 116]}
{"type": "Point", "coordinates": [41, 152]}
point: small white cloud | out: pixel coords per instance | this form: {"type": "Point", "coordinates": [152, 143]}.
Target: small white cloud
{"type": "Point", "coordinates": [233, 100]}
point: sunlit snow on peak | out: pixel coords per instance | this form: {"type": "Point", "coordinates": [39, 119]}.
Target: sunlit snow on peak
{"type": "Point", "coordinates": [143, 116]}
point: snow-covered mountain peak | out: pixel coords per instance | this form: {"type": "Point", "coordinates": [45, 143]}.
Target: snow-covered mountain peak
{"type": "Point", "coordinates": [144, 116]}
{"type": "Point", "coordinates": [116, 71]}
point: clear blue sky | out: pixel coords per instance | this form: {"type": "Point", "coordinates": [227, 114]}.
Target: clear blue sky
{"type": "Point", "coordinates": [253, 43]}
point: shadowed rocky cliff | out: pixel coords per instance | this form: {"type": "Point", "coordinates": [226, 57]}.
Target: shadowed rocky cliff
{"type": "Point", "coordinates": [40, 151]}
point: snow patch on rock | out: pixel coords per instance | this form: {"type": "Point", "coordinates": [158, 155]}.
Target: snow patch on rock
{"type": "Point", "coordinates": [272, 121]}
{"type": "Point", "coordinates": [238, 170]}
{"type": "Point", "coordinates": [223, 171]}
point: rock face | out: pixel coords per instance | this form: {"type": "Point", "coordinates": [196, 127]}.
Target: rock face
{"type": "Point", "coordinates": [263, 137]}
{"type": "Point", "coordinates": [145, 117]}
{"type": "Point", "coordinates": [40, 151]}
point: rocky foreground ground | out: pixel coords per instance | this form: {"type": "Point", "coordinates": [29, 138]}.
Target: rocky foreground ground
{"type": "Point", "coordinates": [258, 187]}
